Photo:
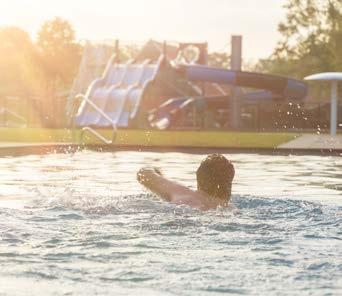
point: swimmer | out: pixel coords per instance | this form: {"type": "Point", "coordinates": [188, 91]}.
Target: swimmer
{"type": "Point", "coordinates": [214, 184]}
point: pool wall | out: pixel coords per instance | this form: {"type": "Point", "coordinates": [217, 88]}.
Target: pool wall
{"type": "Point", "coordinates": [151, 138]}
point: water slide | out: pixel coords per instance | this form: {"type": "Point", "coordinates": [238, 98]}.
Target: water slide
{"type": "Point", "coordinates": [118, 93]}
{"type": "Point", "coordinates": [94, 60]}
{"type": "Point", "coordinates": [268, 88]}
{"type": "Point", "coordinates": [284, 87]}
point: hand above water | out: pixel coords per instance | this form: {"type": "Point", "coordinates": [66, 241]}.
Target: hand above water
{"type": "Point", "coordinates": [145, 174]}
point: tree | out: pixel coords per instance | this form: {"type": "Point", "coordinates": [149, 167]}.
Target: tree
{"type": "Point", "coordinates": [21, 74]}
{"type": "Point", "coordinates": [60, 53]}
{"type": "Point", "coordinates": [17, 59]}
{"type": "Point", "coordinates": [128, 52]}
{"type": "Point", "coordinates": [311, 39]}
{"type": "Point", "coordinates": [219, 59]}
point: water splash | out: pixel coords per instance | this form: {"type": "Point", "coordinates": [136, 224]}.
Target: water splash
{"type": "Point", "coordinates": [88, 228]}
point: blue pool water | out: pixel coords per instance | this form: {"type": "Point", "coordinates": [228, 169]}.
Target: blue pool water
{"type": "Point", "coordinates": [79, 224]}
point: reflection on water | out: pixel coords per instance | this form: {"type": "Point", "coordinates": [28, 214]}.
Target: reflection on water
{"type": "Point", "coordinates": [81, 224]}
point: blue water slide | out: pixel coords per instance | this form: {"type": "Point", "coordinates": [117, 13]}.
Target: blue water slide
{"type": "Point", "coordinates": [287, 88]}
{"type": "Point", "coordinates": [86, 115]}
{"type": "Point", "coordinates": [118, 94]}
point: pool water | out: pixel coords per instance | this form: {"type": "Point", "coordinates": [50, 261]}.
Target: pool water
{"type": "Point", "coordinates": [81, 224]}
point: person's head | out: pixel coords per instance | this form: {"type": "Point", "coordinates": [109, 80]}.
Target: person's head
{"type": "Point", "coordinates": [215, 175]}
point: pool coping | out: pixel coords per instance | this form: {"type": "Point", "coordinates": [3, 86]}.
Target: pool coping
{"type": "Point", "coordinates": [20, 149]}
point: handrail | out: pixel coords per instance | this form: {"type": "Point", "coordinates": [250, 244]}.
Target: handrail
{"type": "Point", "coordinates": [98, 109]}
{"type": "Point", "coordinates": [92, 131]}
{"type": "Point", "coordinates": [98, 135]}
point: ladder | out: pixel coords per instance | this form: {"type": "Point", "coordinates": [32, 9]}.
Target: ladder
{"type": "Point", "coordinates": [88, 129]}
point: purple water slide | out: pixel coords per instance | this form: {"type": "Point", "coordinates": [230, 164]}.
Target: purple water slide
{"type": "Point", "coordinates": [287, 88]}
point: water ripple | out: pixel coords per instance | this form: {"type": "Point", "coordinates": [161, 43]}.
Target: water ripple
{"type": "Point", "coordinates": [81, 223]}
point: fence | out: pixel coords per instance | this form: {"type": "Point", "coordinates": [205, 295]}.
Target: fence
{"type": "Point", "coordinates": [287, 116]}
{"type": "Point", "coordinates": [32, 111]}
{"type": "Point", "coordinates": [284, 117]}
{"type": "Point", "coordinates": [42, 112]}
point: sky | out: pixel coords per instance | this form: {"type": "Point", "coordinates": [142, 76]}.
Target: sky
{"type": "Point", "coordinates": [213, 21]}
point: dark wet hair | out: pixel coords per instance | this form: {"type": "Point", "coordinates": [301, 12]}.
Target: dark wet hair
{"type": "Point", "coordinates": [215, 175]}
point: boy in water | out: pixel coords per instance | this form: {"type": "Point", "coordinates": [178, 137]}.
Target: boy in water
{"type": "Point", "coordinates": [214, 184]}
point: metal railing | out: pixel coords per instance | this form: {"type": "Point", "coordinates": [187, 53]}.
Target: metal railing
{"type": "Point", "coordinates": [97, 135]}
{"type": "Point", "coordinates": [91, 130]}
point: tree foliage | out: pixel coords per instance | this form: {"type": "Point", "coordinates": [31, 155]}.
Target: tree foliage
{"type": "Point", "coordinates": [311, 39]}
{"type": "Point", "coordinates": [128, 52]}
{"type": "Point", "coordinates": [18, 60]}
{"type": "Point", "coordinates": [219, 59]}
{"type": "Point", "coordinates": [60, 52]}
{"type": "Point", "coordinates": [37, 71]}
{"type": "Point", "coordinates": [28, 67]}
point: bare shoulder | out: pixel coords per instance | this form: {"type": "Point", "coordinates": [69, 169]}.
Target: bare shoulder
{"type": "Point", "coordinates": [196, 199]}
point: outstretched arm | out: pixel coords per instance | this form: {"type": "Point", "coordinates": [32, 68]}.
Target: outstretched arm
{"type": "Point", "coordinates": [152, 179]}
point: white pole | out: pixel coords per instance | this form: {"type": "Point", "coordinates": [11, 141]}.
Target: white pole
{"type": "Point", "coordinates": [235, 64]}
{"type": "Point", "coordinates": [333, 112]}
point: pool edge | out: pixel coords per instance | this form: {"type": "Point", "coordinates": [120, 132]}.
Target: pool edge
{"type": "Point", "coordinates": [48, 148]}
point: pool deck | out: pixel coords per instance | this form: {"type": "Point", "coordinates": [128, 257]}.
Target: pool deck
{"type": "Point", "coordinates": [304, 144]}
{"type": "Point", "coordinates": [315, 141]}
{"type": "Point", "coordinates": [25, 148]}
{"type": "Point", "coordinates": [30, 144]}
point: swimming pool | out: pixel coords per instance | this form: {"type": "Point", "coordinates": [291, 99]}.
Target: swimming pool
{"type": "Point", "coordinates": [80, 224]}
